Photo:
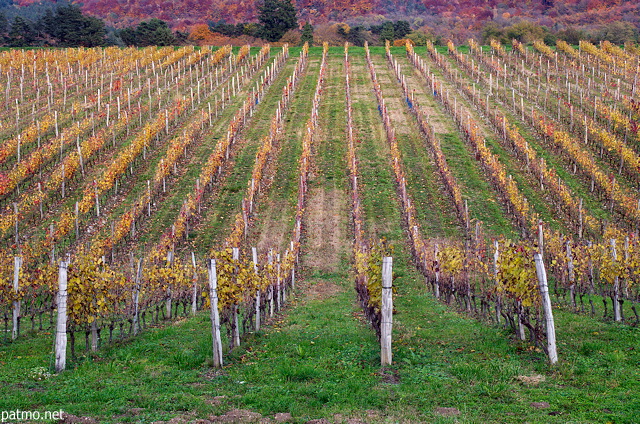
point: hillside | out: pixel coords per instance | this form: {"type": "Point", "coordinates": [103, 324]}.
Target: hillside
{"type": "Point", "coordinates": [135, 184]}
{"type": "Point", "coordinates": [469, 14]}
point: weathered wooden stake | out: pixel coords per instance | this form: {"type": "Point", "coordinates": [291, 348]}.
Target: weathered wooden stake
{"type": "Point", "coordinates": [97, 199]}
{"type": "Point", "coordinates": [17, 233]}
{"type": "Point", "coordinates": [254, 255]}
{"type": "Point", "coordinates": [278, 284]}
{"type": "Point", "coordinates": [236, 327]}
{"type": "Point", "coordinates": [546, 306]}
{"type": "Point", "coordinates": [386, 322]}
{"type": "Point", "coordinates": [168, 303]}
{"type": "Point", "coordinates": [17, 263]}
{"type": "Point", "coordinates": [617, 315]}
{"type": "Point", "coordinates": [540, 239]}
{"type": "Point", "coordinates": [136, 299]}
{"type": "Point", "coordinates": [571, 274]}
{"type": "Point", "coordinates": [270, 289]}
{"type": "Point", "coordinates": [496, 257]}
{"type": "Point", "coordinates": [215, 315]}
{"type": "Point", "coordinates": [61, 327]}
{"type": "Point", "coordinates": [436, 284]}
{"type": "Point", "coordinates": [194, 295]}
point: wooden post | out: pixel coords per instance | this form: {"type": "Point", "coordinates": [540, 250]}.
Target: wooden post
{"type": "Point", "coordinates": [61, 327]}
{"type": "Point", "coordinates": [96, 195]}
{"type": "Point", "coordinates": [270, 294]}
{"type": "Point", "coordinates": [40, 200]}
{"type": "Point", "coordinates": [496, 257]}
{"type": "Point", "coordinates": [136, 298]}
{"type": "Point", "coordinates": [387, 312]}
{"type": "Point", "coordinates": [291, 244]}
{"type": "Point", "coordinates": [168, 307]}
{"type": "Point", "coordinates": [436, 288]}
{"type": "Point", "coordinates": [254, 255]}
{"type": "Point", "coordinates": [546, 305]}
{"type": "Point", "coordinates": [625, 285]}
{"type": "Point", "coordinates": [17, 221]}
{"type": "Point", "coordinates": [571, 274]}
{"type": "Point", "coordinates": [17, 263]}
{"type": "Point", "coordinates": [79, 156]}
{"type": "Point", "coordinates": [149, 194]}
{"type": "Point", "coordinates": [278, 284]}
{"type": "Point", "coordinates": [466, 214]}
{"type": "Point", "coordinates": [77, 224]}
{"type": "Point", "coordinates": [194, 295]}
{"type": "Point", "coordinates": [63, 189]}
{"type": "Point", "coordinates": [215, 315]}
{"type": "Point", "coordinates": [540, 239]}
{"type": "Point", "coordinates": [580, 219]}
{"type": "Point", "coordinates": [236, 326]}
{"type": "Point", "coordinates": [617, 316]}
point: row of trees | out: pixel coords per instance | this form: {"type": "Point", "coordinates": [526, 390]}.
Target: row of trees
{"type": "Point", "coordinates": [616, 32]}
{"type": "Point", "coordinates": [67, 26]}
{"type": "Point", "coordinates": [275, 17]}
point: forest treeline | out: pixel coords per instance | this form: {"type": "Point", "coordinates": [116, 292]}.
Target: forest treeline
{"type": "Point", "coordinates": [63, 24]}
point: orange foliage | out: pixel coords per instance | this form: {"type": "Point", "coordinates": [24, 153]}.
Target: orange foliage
{"type": "Point", "coordinates": [403, 42]}
{"type": "Point", "coordinates": [201, 34]}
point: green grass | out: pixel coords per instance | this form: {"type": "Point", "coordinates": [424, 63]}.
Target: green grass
{"type": "Point", "coordinates": [179, 187]}
{"type": "Point", "coordinates": [279, 202]}
{"type": "Point", "coordinates": [433, 207]}
{"type": "Point", "coordinates": [526, 184]}
{"type": "Point", "coordinates": [579, 186]}
{"type": "Point", "coordinates": [484, 203]}
{"type": "Point", "coordinates": [224, 206]}
{"type": "Point", "coordinates": [319, 357]}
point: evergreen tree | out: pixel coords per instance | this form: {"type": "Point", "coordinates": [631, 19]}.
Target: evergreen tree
{"type": "Point", "coordinates": [277, 17]}
{"type": "Point", "coordinates": [154, 32]}
{"type": "Point", "coordinates": [70, 28]}
{"type": "Point", "coordinates": [4, 24]}
{"type": "Point", "coordinates": [387, 32]}
{"type": "Point", "coordinates": [21, 33]}
{"type": "Point", "coordinates": [128, 36]}
{"type": "Point", "coordinates": [354, 35]}
{"type": "Point", "coordinates": [401, 29]}
{"type": "Point", "coordinates": [307, 34]}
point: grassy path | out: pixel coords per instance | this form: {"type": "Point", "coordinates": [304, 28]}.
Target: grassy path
{"type": "Point", "coordinates": [220, 210]}
{"type": "Point", "coordinates": [484, 202]}
{"type": "Point", "coordinates": [577, 184]}
{"type": "Point", "coordinates": [276, 209]}
{"type": "Point", "coordinates": [319, 359]}
{"type": "Point", "coordinates": [526, 183]}
{"type": "Point", "coordinates": [433, 207]}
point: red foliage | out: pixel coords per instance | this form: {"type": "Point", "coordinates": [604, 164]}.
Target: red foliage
{"type": "Point", "coordinates": [184, 13]}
